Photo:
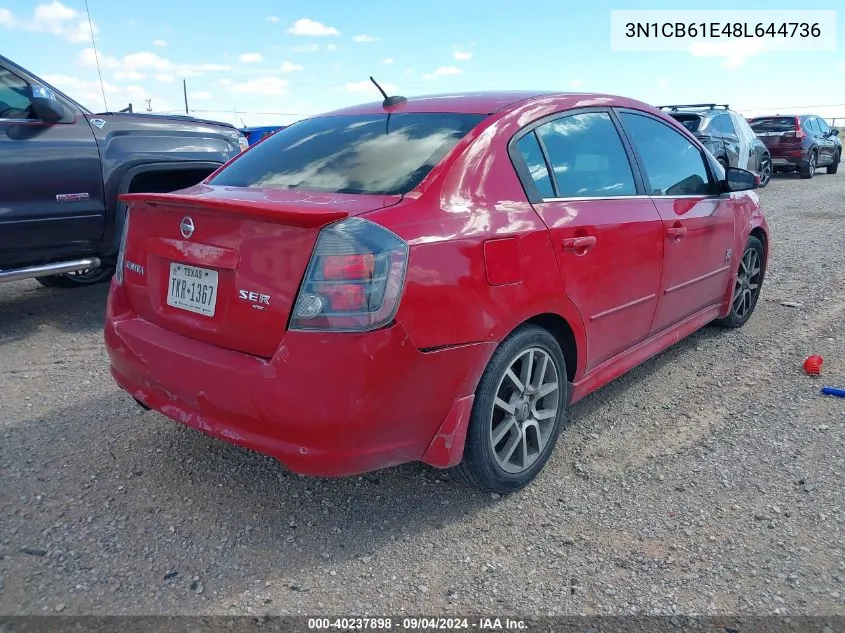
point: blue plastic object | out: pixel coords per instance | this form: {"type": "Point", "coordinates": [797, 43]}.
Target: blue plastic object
{"type": "Point", "coordinates": [833, 391]}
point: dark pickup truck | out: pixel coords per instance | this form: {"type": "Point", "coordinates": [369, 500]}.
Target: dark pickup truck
{"type": "Point", "coordinates": [63, 167]}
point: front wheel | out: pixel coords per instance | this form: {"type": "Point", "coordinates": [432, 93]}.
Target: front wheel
{"type": "Point", "coordinates": [89, 277]}
{"type": "Point", "coordinates": [765, 170]}
{"type": "Point", "coordinates": [520, 406]}
{"type": "Point", "coordinates": [749, 280]}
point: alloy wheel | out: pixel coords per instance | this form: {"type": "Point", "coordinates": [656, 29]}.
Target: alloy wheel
{"type": "Point", "coordinates": [522, 418]}
{"type": "Point", "coordinates": [747, 283]}
{"type": "Point", "coordinates": [765, 171]}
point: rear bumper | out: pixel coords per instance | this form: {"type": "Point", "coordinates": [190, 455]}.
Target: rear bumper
{"type": "Point", "coordinates": [327, 404]}
{"type": "Point", "coordinates": [790, 158]}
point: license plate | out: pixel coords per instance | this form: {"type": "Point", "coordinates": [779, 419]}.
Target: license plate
{"type": "Point", "coordinates": [192, 289]}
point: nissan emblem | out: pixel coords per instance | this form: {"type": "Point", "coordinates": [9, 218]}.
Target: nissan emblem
{"type": "Point", "coordinates": [186, 226]}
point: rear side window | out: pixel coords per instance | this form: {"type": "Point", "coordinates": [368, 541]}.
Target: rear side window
{"type": "Point", "coordinates": [773, 124]}
{"type": "Point", "coordinates": [812, 126]}
{"type": "Point", "coordinates": [673, 165]}
{"type": "Point", "coordinates": [587, 156]}
{"type": "Point", "coordinates": [363, 154]}
{"type": "Point", "coordinates": [529, 149]}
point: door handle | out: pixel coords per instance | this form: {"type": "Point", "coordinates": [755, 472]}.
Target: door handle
{"type": "Point", "coordinates": [579, 244]}
{"type": "Point", "coordinates": [676, 232]}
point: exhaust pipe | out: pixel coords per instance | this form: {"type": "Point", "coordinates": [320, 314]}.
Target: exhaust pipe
{"type": "Point", "coordinates": [45, 270]}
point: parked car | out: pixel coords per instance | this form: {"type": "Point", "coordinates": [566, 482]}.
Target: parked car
{"type": "Point", "coordinates": [800, 143]}
{"type": "Point", "coordinates": [726, 135]}
{"type": "Point", "coordinates": [435, 279]}
{"type": "Point", "coordinates": [62, 168]}
{"type": "Point", "coordinates": [255, 134]}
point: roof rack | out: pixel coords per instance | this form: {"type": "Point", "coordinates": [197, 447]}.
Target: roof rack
{"type": "Point", "coordinates": [712, 106]}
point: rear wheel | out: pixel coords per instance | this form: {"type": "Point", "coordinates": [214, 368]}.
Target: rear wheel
{"type": "Point", "coordinates": [834, 166]}
{"type": "Point", "coordinates": [810, 169]}
{"type": "Point", "coordinates": [520, 406]}
{"type": "Point", "coordinates": [747, 286]}
{"type": "Point", "coordinates": [89, 277]}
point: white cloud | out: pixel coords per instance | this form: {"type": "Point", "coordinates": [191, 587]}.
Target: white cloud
{"type": "Point", "coordinates": [144, 60]}
{"type": "Point", "coordinates": [443, 71]}
{"type": "Point", "coordinates": [200, 96]}
{"type": "Point", "coordinates": [735, 52]}
{"type": "Point", "coordinates": [290, 67]}
{"type": "Point", "coordinates": [264, 86]}
{"type": "Point", "coordinates": [166, 78]}
{"type": "Point", "coordinates": [129, 75]}
{"type": "Point", "coordinates": [161, 43]}
{"type": "Point", "coordinates": [331, 47]}
{"type": "Point", "coordinates": [251, 58]}
{"type": "Point", "coordinates": [87, 57]}
{"type": "Point", "coordinates": [273, 19]}
{"type": "Point", "coordinates": [462, 56]}
{"type": "Point", "coordinates": [364, 38]}
{"type": "Point", "coordinates": [367, 86]}
{"type": "Point", "coordinates": [55, 18]}
{"type": "Point", "coordinates": [90, 93]}
{"type": "Point", "coordinates": [575, 83]}
{"type": "Point", "coordinates": [388, 60]}
{"type": "Point", "coordinates": [307, 26]}
{"type": "Point", "coordinates": [307, 48]}
{"type": "Point", "coordinates": [225, 82]}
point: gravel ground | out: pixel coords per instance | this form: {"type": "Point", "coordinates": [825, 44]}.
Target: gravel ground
{"type": "Point", "coordinates": [709, 480]}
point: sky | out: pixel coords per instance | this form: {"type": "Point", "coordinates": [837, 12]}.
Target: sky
{"type": "Point", "coordinates": [267, 62]}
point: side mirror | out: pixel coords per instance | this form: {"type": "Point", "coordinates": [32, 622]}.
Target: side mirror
{"type": "Point", "coordinates": [737, 179]}
{"type": "Point", "coordinates": [834, 131]}
{"type": "Point", "coordinates": [46, 106]}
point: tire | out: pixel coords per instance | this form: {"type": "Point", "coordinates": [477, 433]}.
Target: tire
{"type": "Point", "coordinates": [766, 170]}
{"type": "Point", "coordinates": [834, 166]}
{"type": "Point", "coordinates": [484, 467]}
{"type": "Point", "coordinates": [810, 170]}
{"type": "Point", "coordinates": [78, 280]}
{"type": "Point", "coordinates": [749, 285]}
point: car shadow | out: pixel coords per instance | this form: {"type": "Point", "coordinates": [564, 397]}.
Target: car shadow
{"type": "Point", "coordinates": [26, 306]}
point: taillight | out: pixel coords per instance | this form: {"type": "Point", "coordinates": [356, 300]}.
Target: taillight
{"type": "Point", "coordinates": [799, 131]}
{"type": "Point", "coordinates": [354, 280]}
{"type": "Point", "coordinates": [121, 251]}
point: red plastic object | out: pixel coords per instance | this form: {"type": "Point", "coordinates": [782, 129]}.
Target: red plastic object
{"type": "Point", "coordinates": [813, 365]}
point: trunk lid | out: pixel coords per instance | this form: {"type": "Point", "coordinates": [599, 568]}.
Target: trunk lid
{"type": "Point", "coordinates": [231, 277]}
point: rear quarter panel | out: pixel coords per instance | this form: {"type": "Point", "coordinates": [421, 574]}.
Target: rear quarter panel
{"type": "Point", "coordinates": [474, 197]}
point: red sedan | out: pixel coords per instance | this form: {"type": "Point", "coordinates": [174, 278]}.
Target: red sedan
{"type": "Point", "coordinates": [435, 279]}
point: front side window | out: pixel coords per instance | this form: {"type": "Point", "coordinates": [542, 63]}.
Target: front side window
{"type": "Point", "coordinates": [673, 166]}
{"type": "Point", "coordinates": [824, 128]}
{"type": "Point", "coordinates": [587, 156]}
{"type": "Point", "coordinates": [14, 97]}
{"type": "Point", "coordinates": [811, 126]}
{"type": "Point", "coordinates": [358, 154]}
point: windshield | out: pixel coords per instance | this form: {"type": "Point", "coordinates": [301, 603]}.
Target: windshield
{"type": "Point", "coordinates": [364, 154]}
{"type": "Point", "coordinates": [690, 121]}
{"type": "Point", "coordinates": [774, 124]}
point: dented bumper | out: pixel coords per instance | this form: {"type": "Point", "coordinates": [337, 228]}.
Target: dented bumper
{"type": "Point", "coordinates": [326, 404]}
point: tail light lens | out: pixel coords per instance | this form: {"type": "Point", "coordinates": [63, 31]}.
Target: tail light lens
{"type": "Point", "coordinates": [121, 251]}
{"type": "Point", "coordinates": [799, 131]}
{"type": "Point", "coordinates": [354, 280]}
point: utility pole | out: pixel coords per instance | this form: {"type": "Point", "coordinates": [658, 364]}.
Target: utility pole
{"type": "Point", "coordinates": [185, 92]}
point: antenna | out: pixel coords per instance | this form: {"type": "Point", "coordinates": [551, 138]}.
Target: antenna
{"type": "Point", "coordinates": [388, 101]}
{"type": "Point", "coordinates": [96, 55]}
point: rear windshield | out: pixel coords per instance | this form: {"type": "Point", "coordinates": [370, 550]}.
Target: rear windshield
{"type": "Point", "coordinates": [773, 124]}
{"type": "Point", "coordinates": [364, 154]}
{"type": "Point", "coordinates": [690, 121]}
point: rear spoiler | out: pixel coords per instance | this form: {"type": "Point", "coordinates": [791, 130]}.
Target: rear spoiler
{"type": "Point", "coordinates": [292, 214]}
